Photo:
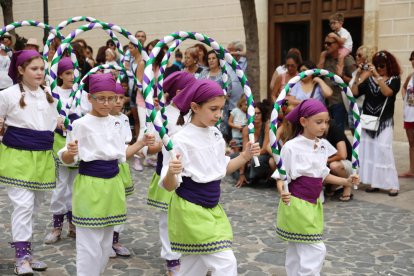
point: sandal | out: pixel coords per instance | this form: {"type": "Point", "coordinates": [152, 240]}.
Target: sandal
{"type": "Point", "coordinates": [346, 198]}
{"type": "Point", "coordinates": [393, 193]}
{"type": "Point", "coordinates": [372, 190]}
{"type": "Point", "coordinates": [406, 175]}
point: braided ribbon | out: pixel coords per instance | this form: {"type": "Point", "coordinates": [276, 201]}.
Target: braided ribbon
{"type": "Point", "coordinates": [277, 109]}
{"type": "Point", "coordinates": [65, 44]}
{"type": "Point", "coordinates": [148, 83]}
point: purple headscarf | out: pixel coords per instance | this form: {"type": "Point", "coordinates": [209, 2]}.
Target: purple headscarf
{"type": "Point", "coordinates": [177, 81]}
{"type": "Point", "coordinates": [200, 91]}
{"type": "Point", "coordinates": [305, 109]}
{"type": "Point", "coordinates": [100, 82]}
{"type": "Point", "coordinates": [64, 64]}
{"type": "Point", "coordinates": [18, 58]}
{"type": "Point", "coordinates": [119, 89]}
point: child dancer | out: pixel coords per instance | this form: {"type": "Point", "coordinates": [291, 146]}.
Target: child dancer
{"type": "Point", "coordinates": [61, 201]}
{"type": "Point", "coordinates": [197, 224]}
{"type": "Point", "coordinates": [26, 157]}
{"type": "Point", "coordinates": [157, 196]}
{"type": "Point", "coordinates": [98, 142]}
{"type": "Point", "coordinates": [125, 173]}
{"type": "Point", "coordinates": [305, 157]}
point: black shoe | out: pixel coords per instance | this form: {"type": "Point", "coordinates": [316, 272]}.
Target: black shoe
{"type": "Point", "coordinates": [393, 193]}
{"type": "Point", "coordinates": [372, 190]}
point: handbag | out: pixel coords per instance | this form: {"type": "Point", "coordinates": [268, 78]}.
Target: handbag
{"type": "Point", "coordinates": [370, 122]}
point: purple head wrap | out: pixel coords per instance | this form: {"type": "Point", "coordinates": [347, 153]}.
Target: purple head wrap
{"type": "Point", "coordinates": [101, 82]}
{"type": "Point", "coordinates": [18, 58]}
{"type": "Point", "coordinates": [119, 89]}
{"type": "Point", "coordinates": [64, 64]}
{"type": "Point", "coordinates": [200, 91]}
{"type": "Point", "coordinates": [177, 81]}
{"type": "Point", "coordinates": [305, 109]}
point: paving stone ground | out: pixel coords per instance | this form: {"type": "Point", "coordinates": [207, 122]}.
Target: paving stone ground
{"type": "Point", "coordinates": [362, 237]}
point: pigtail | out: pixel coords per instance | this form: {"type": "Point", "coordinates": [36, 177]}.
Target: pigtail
{"type": "Point", "coordinates": [180, 120]}
{"type": "Point", "coordinates": [22, 103]}
{"type": "Point", "coordinates": [49, 97]}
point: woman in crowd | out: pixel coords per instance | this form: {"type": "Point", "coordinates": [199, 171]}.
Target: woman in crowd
{"type": "Point", "coordinates": [292, 63]}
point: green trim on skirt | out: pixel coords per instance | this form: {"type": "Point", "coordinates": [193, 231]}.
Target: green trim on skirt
{"type": "Point", "coordinates": [302, 221]}
{"type": "Point", "coordinates": [27, 169]}
{"type": "Point", "coordinates": [194, 229]}
{"type": "Point", "coordinates": [125, 174]}
{"type": "Point", "coordinates": [98, 202]}
{"type": "Point", "coordinates": [157, 196]}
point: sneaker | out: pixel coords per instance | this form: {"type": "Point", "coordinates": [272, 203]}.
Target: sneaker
{"type": "Point", "coordinates": [137, 164]}
{"type": "Point", "coordinates": [53, 236]}
{"type": "Point", "coordinates": [22, 266]}
{"type": "Point", "coordinates": [121, 250]}
{"type": "Point", "coordinates": [113, 254]}
{"type": "Point", "coordinates": [38, 265]}
{"type": "Point", "coordinates": [72, 231]}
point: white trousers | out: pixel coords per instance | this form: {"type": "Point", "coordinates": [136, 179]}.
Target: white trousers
{"type": "Point", "coordinates": [142, 116]}
{"type": "Point", "coordinates": [305, 259]}
{"type": "Point", "coordinates": [25, 202]}
{"type": "Point", "coordinates": [166, 252]}
{"type": "Point", "coordinates": [93, 247]}
{"type": "Point", "coordinates": [220, 264]}
{"type": "Point", "coordinates": [61, 201]}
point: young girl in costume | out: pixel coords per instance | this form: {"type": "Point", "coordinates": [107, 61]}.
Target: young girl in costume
{"type": "Point", "coordinates": [61, 201]}
{"type": "Point", "coordinates": [300, 212]}
{"type": "Point", "coordinates": [116, 111]}
{"type": "Point", "coordinates": [197, 224]}
{"type": "Point", "coordinates": [26, 157]}
{"type": "Point", "coordinates": [158, 197]}
{"type": "Point", "coordinates": [98, 142]}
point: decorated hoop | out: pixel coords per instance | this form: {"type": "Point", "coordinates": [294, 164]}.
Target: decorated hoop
{"type": "Point", "coordinates": [277, 109]}
{"type": "Point", "coordinates": [65, 44]}
{"type": "Point", "coordinates": [148, 82]}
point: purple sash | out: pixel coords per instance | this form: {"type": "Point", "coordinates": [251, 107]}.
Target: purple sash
{"type": "Point", "coordinates": [28, 139]}
{"type": "Point", "coordinates": [306, 188]}
{"type": "Point", "coordinates": [159, 163]}
{"type": "Point", "coordinates": [99, 168]}
{"type": "Point", "coordinates": [203, 194]}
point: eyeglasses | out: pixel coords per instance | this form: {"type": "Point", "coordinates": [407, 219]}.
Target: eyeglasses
{"type": "Point", "coordinates": [329, 43]}
{"type": "Point", "coordinates": [290, 65]}
{"type": "Point", "coordinates": [381, 66]}
{"type": "Point", "coordinates": [258, 113]}
{"type": "Point", "coordinates": [103, 100]}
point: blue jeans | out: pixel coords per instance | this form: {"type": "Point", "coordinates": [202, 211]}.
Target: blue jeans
{"type": "Point", "coordinates": [338, 113]}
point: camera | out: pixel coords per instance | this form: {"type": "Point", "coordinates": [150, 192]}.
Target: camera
{"type": "Point", "coordinates": [365, 67]}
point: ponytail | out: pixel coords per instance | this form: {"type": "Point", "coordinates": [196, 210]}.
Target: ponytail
{"type": "Point", "coordinates": [180, 120]}
{"type": "Point", "coordinates": [49, 97]}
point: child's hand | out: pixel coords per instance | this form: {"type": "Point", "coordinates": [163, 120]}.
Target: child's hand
{"type": "Point", "coordinates": [285, 196]}
{"type": "Point", "coordinates": [72, 148]}
{"type": "Point", "coordinates": [149, 139]}
{"type": "Point", "coordinates": [175, 166]}
{"type": "Point", "coordinates": [251, 150]}
{"type": "Point", "coordinates": [354, 179]}
{"type": "Point", "coordinates": [60, 124]}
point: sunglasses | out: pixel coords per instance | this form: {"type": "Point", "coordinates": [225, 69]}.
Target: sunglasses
{"type": "Point", "coordinates": [328, 43]}
{"type": "Point", "coordinates": [381, 66]}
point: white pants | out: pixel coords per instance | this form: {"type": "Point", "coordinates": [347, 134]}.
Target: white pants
{"type": "Point", "coordinates": [25, 203]}
{"type": "Point", "coordinates": [61, 201]}
{"type": "Point", "coordinates": [220, 264]}
{"type": "Point", "coordinates": [166, 252]}
{"type": "Point", "coordinates": [142, 116]}
{"type": "Point", "coordinates": [305, 259]}
{"type": "Point", "coordinates": [93, 247]}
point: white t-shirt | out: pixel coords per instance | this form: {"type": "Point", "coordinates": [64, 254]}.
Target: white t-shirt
{"type": "Point", "coordinates": [202, 151]}
{"type": "Point", "coordinates": [240, 119]}
{"type": "Point", "coordinates": [126, 127]}
{"type": "Point", "coordinates": [348, 38]}
{"type": "Point", "coordinates": [409, 102]}
{"type": "Point", "coordinates": [5, 80]}
{"type": "Point", "coordinates": [38, 114]}
{"type": "Point", "coordinates": [301, 158]}
{"type": "Point", "coordinates": [99, 138]}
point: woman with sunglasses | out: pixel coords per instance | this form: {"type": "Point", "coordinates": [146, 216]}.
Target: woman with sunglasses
{"type": "Point", "coordinates": [379, 83]}
{"type": "Point", "coordinates": [408, 97]}
{"type": "Point", "coordinates": [292, 62]}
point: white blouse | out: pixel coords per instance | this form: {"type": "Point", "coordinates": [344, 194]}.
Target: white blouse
{"type": "Point", "coordinates": [126, 127]}
{"type": "Point", "coordinates": [305, 157]}
{"type": "Point", "coordinates": [99, 138]}
{"type": "Point", "coordinates": [202, 151]}
{"type": "Point", "coordinates": [38, 114]}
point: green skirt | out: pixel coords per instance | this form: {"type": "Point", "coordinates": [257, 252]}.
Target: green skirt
{"type": "Point", "coordinates": [98, 202]}
{"type": "Point", "coordinates": [302, 221]}
{"type": "Point", "coordinates": [58, 144]}
{"type": "Point", "coordinates": [125, 174]}
{"type": "Point", "coordinates": [194, 229]}
{"type": "Point", "coordinates": [27, 169]}
{"type": "Point", "coordinates": [157, 196]}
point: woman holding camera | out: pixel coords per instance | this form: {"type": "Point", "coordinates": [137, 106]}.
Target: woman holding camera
{"type": "Point", "coordinates": [380, 83]}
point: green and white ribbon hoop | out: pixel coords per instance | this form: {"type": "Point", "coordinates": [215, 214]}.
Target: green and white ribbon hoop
{"type": "Point", "coordinates": [277, 109]}
{"type": "Point", "coordinates": [148, 83]}
{"type": "Point", "coordinates": [66, 43]}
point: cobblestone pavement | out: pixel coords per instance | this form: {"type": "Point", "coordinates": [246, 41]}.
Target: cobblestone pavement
{"type": "Point", "coordinates": [362, 238]}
